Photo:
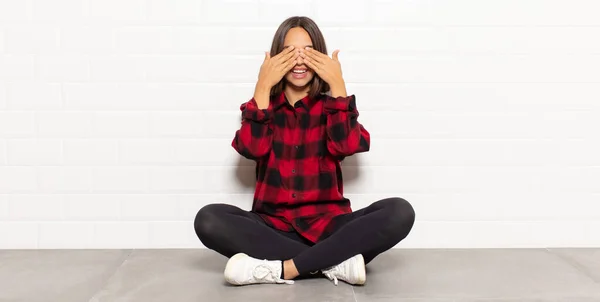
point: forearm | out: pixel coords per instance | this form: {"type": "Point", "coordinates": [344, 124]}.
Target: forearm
{"type": "Point", "coordinates": [261, 95]}
{"type": "Point", "coordinates": [345, 135]}
{"type": "Point", "coordinates": [338, 89]}
{"type": "Point", "coordinates": [254, 138]}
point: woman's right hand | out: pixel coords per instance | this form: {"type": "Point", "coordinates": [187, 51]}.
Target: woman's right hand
{"type": "Point", "coordinates": [274, 69]}
{"type": "Point", "coordinates": [271, 72]}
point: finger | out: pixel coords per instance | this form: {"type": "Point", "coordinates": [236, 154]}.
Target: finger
{"type": "Point", "coordinates": [313, 64]}
{"type": "Point", "coordinates": [313, 54]}
{"type": "Point", "coordinates": [318, 54]}
{"type": "Point", "coordinates": [284, 53]}
{"type": "Point", "coordinates": [267, 55]}
{"type": "Point", "coordinates": [291, 55]}
{"type": "Point", "coordinates": [335, 54]}
{"type": "Point", "coordinates": [289, 63]}
{"type": "Point", "coordinates": [282, 61]}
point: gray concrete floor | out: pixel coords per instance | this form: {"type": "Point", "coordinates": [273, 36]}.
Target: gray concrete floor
{"type": "Point", "coordinates": [398, 275]}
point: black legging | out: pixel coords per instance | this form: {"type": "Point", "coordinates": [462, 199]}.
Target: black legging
{"type": "Point", "coordinates": [370, 231]}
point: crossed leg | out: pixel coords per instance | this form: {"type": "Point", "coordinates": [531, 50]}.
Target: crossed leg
{"type": "Point", "coordinates": [370, 231]}
{"type": "Point", "coordinates": [229, 230]}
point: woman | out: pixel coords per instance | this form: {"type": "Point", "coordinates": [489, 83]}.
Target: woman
{"type": "Point", "coordinates": [300, 225]}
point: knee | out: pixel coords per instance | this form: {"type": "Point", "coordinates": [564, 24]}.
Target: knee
{"type": "Point", "coordinates": [400, 216]}
{"type": "Point", "coordinates": [206, 221]}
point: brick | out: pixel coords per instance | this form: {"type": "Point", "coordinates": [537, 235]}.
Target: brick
{"type": "Point", "coordinates": [61, 179]}
{"type": "Point", "coordinates": [16, 67]}
{"type": "Point", "coordinates": [354, 13]}
{"type": "Point", "coordinates": [3, 96]}
{"type": "Point", "coordinates": [117, 68]}
{"type": "Point", "coordinates": [18, 235]}
{"type": "Point", "coordinates": [4, 206]}
{"type": "Point", "coordinates": [238, 12]}
{"type": "Point", "coordinates": [121, 234]}
{"type": "Point", "coordinates": [144, 207]}
{"type": "Point", "coordinates": [120, 179]}
{"type": "Point", "coordinates": [116, 11]}
{"type": "Point", "coordinates": [31, 39]}
{"type": "Point", "coordinates": [33, 96]}
{"type": "Point", "coordinates": [61, 11]}
{"type": "Point", "coordinates": [64, 124]}
{"type": "Point", "coordinates": [17, 124]}
{"type": "Point", "coordinates": [66, 235]}
{"type": "Point", "coordinates": [86, 152]}
{"type": "Point", "coordinates": [62, 68]}
{"type": "Point", "coordinates": [181, 11]}
{"type": "Point", "coordinates": [34, 152]}
{"type": "Point", "coordinates": [273, 12]}
{"type": "Point", "coordinates": [87, 39]}
{"type": "Point", "coordinates": [92, 207]}
{"type": "Point", "coordinates": [11, 11]}
{"type": "Point", "coordinates": [112, 124]}
{"type": "Point", "coordinates": [172, 234]}
{"type": "Point", "coordinates": [33, 207]}
{"type": "Point", "coordinates": [18, 179]}
{"type": "Point", "coordinates": [3, 152]}
{"type": "Point", "coordinates": [147, 152]}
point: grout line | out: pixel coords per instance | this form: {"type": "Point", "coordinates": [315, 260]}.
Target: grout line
{"type": "Point", "coordinates": [573, 263]}
{"type": "Point", "coordinates": [354, 294]}
{"type": "Point", "coordinates": [117, 269]}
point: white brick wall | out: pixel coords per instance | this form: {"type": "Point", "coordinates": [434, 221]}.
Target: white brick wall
{"type": "Point", "coordinates": [116, 117]}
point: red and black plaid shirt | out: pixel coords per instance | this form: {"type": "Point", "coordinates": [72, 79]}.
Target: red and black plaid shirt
{"type": "Point", "coordinates": [298, 150]}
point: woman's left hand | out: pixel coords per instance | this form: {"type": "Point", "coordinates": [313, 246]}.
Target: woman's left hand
{"type": "Point", "coordinates": [329, 69]}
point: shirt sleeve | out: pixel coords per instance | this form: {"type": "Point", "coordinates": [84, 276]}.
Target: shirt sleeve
{"type": "Point", "coordinates": [254, 138]}
{"type": "Point", "coordinates": [345, 135]}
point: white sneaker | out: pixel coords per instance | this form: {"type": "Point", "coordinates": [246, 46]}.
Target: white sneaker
{"type": "Point", "coordinates": [352, 271]}
{"type": "Point", "coordinates": [242, 269]}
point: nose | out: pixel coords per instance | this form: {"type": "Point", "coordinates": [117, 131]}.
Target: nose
{"type": "Point", "coordinates": [300, 61]}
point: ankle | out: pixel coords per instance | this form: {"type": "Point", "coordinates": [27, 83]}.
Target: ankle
{"type": "Point", "coordinates": [289, 271]}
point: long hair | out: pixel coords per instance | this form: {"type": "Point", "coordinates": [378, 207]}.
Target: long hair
{"type": "Point", "coordinates": [317, 85]}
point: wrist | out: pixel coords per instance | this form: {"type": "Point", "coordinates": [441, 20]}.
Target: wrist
{"type": "Point", "coordinates": [262, 88]}
{"type": "Point", "coordinates": [338, 89]}
{"type": "Point", "coordinates": [261, 96]}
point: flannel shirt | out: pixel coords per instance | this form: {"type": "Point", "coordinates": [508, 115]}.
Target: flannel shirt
{"type": "Point", "coordinates": [298, 150]}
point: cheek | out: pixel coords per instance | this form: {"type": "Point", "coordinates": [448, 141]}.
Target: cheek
{"type": "Point", "coordinates": [310, 75]}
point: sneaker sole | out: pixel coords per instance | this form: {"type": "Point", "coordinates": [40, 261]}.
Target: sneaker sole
{"type": "Point", "coordinates": [230, 267]}
{"type": "Point", "coordinates": [362, 275]}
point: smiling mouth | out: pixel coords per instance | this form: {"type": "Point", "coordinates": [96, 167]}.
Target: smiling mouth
{"type": "Point", "coordinates": [299, 71]}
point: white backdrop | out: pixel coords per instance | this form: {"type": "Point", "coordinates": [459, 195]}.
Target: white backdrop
{"type": "Point", "coordinates": [116, 117]}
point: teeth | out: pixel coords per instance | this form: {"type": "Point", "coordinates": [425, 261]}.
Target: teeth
{"type": "Point", "coordinates": [299, 71]}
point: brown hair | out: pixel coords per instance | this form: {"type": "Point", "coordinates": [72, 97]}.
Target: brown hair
{"type": "Point", "coordinates": [317, 85]}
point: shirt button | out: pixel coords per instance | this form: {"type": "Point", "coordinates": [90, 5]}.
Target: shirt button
{"type": "Point", "coordinates": [297, 147]}
{"type": "Point", "coordinates": [293, 170]}
{"type": "Point", "coordinates": [293, 195]}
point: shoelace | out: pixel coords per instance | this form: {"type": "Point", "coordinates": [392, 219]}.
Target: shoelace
{"type": "Point", "coordinates": [331, 274]}
{"type": "Point", "coordinates": [263, 270]}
